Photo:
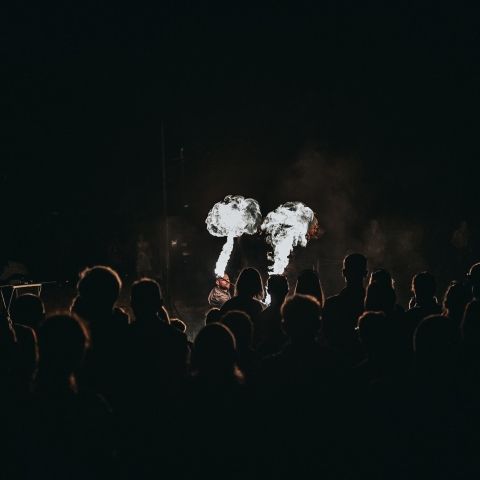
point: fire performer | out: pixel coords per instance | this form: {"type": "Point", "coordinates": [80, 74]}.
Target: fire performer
{"type": "Point", "coordinates": [220, 293]}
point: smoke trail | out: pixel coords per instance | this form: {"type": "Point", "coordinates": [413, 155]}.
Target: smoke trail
{"type": "Point", "coordinates": [231, 218]}
{"type": "Point", "coordinates": [224, 256]}
{"type": "Point", "coordinates": [286, 227]}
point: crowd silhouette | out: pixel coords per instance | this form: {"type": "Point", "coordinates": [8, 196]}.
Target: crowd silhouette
{"type": "Point", "coordinates": [351, 386]}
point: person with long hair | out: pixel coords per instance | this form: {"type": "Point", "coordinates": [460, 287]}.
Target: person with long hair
{"type": "Point", "coordinates": [308, 283]}
{"type": "Point", "coordinates": [248, 295]}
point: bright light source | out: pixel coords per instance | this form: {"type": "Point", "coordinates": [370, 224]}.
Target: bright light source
{"type": "Point", "coordinates": [232, 218]}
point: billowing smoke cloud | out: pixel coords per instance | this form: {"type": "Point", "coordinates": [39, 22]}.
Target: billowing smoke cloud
{"type": "Point", "coordinates": [231, 218]}
{"type": "Point", "coordinates": [286, 227]}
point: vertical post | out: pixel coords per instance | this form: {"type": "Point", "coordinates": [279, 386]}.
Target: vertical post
{"type": "Point", "coordinates": [166, 267]}
{"type": "Point", "coordinates": [182, 179]}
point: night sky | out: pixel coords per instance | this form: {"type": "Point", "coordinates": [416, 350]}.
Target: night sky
{"type": "Point", "coordinates": [367, 113]}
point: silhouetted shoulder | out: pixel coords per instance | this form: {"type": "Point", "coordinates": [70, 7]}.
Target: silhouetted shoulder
{"type": "Point", "coordinates": [332, 301]}
{"type": "Point", "coordinates": [417, 313]}
{"type": "Point", "coordinates": [26, 341]}
{"type": "Point", "coordinates": [95, 404]}
{"type": "Point", "coordinates": [250, 306]}
{"type": "Point", "coordinates": [270, 337]}
{"type": "Point", "coordinates": [331, 306]}
{"type": "Point", "coordinates": [24, 333]}
{"type": "Point", "coordinates": [120, 317]}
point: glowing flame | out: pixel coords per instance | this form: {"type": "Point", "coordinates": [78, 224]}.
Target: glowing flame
{"type": "Point", "coordinates": [286, 227]}
{"type": "Point", "coordinates": [232, 218]}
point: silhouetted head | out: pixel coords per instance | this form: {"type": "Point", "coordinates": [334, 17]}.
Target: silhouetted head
{"type": "Point", "coordinates": [355, 268]}
{"type": "Point", "coordinates": [241, 326]}
{"type": "Point", "coordinates": [380, 298]}
{"type": "Point", "coordinates": [214, 351]}
{"type": "Point", "coordinates": [375, 331]}
{"type": "Point", "coordinates": [434, 341]}
{"type": "Point", "coordinates": [301, 317]}
{"type": "Point", "coordinates": [277, 287]}
{"type": "Point", "coordinates": [178, 324]}
{"type": "Point", "coordinates": [308, 283]}
{"type": "Point", "coordinates": [98, 288]}
{"type": "Point", "coordinates": [470, 327]}
{"type": "Point", "coordinates": [249, 284]}
{"type": "Point", "coordinates": [28, 310]}
{"type": "Point", "coordinates": [474, 278]}
{"type": "Point", "coordinates": [423, 287]}
{"type": "Point", "coordinates": [456, 298]}
{"type": "Point", "coordinates": [62, 342]}
{"type": "Point", "coordinates": [146, 298]}
{"type": "Point", "coordinates": [382, 277]}
{"type": "Point", "coordinates": [213, 316]}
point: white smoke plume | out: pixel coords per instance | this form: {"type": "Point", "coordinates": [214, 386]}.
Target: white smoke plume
{"type": "Point", "coordinates": [231, 218]}
{"type": "Point", "coordinates": [286, 227]}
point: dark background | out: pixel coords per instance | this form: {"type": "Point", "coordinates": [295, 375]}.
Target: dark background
{"type": "Point", "coordinates": [367, 113]}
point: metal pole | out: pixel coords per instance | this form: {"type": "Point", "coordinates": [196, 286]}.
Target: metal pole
{"type": "Point", "coordinates": [166, 278]}
{"type": "Point", "coordinates": [182, 166]}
